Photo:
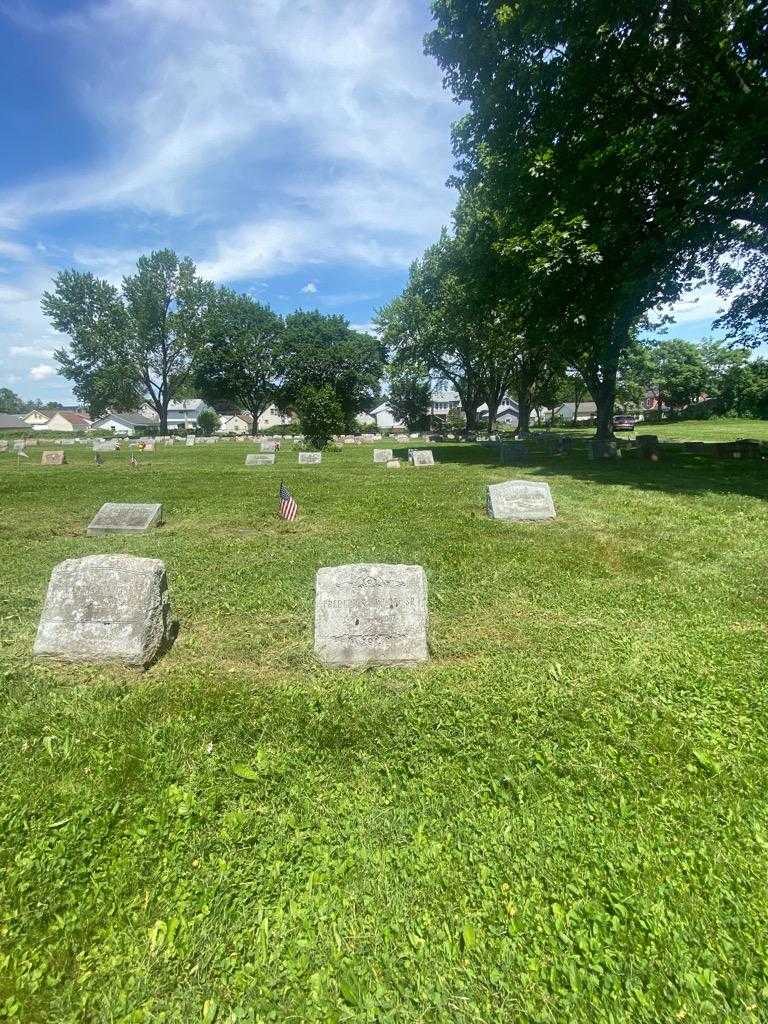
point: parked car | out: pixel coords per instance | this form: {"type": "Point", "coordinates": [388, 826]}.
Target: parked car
{"type": "Point", "coordinates": [624, 422]}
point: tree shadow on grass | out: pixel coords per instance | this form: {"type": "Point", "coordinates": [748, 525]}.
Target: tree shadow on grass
{"type": "Point", "coordinates": [676, 472]}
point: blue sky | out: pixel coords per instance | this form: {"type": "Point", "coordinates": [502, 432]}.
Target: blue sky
{"type": "Point", "coordinates": [296, 150]}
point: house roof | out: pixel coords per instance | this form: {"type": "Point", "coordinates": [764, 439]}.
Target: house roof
{"type": "Point", "coordinates": [186, 406]}
{"type": "Point", "coordinates": [10, 422]}
{"type": "Point", "coordinates": [75, 418]}
{"type": "Point", "coordinates": [130, 419]}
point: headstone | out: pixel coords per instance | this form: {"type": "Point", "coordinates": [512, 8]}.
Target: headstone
{"type": "Point", "coordinates": [268, 446]}
{"type": "Point", "coordinates": [371, 615]}
{"type": "Point", "coordinates": [67, 440]}
{"type": "Point", "coordinates": [117, 517]}
{"type": "Point", "coordinates": [520, 500]}
{"type": "Point", "coordinates": [53, 459]}
{"type": "Point", "coordinates": [190, 442]}
{"type": "Point", "coordinates": [106, 608]}
{"type": "Point", "coordinates": [414, 437]}
{"type": "Point", "coordinates": [18, 446]}
{"type": "Point", "coordinates": [422, 457]}
{"type": "Point", "coordinates": [169, 440]}
{"type": "Point", "coordinates": [310, 458]}
{"type": "Point", "coordinates": [648, 446]}
{"type": "Point", "coordinates": [260, 460]}
{"type": "Point", "coordinates": [149, 444]}
{"type": "Point", "coordinates": [604, 450]}
{"type": "Point", "coordinates": [382, 454]}
{"type": "Point", "coordinates": [517, 451]}
{"type": "Point", "coordinates": [3, 446]}
{"type": "Point", "coordinates": [103, 446]}
{"type": "Point", "coordinates": [393, 464]}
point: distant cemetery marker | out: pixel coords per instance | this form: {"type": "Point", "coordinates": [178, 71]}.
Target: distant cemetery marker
{"type": "Point", "coordinates": [371, 614]}
{"type": "Point", "coordinates": [520, 501]}
{"type": "Point", "coordinates": [310, 458]}
{"type": "Point", "coordinates": [260, 460]}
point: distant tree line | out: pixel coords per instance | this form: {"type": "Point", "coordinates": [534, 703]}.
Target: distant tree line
{"type": "Point", "coordinates": [612, 157]}
{"type": "Point", "coordinates": [167, 331]}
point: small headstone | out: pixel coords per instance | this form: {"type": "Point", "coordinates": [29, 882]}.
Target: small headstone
{"type": "Point", "coordinates": [382, 454]}
{"type": "Point", "coordinates": [18, 446]}
{"type": "Point", "coordinates": [67, 440]}
{"type": "Point", "coordinates": [422, 457]}
{"type": "Point", "coordinates": [393, 464]}
{"type": "Point", "coordinates": [371, 614]}
{"type": "Point", "coordinates": [3, 446]}
{"type": "Point", "coordinates": [260, 460]}
{"type": "Point", "coordinates": [268, 446]}
{"type": "Point", "coordinates": [106, 608]}
{"type": "Point", "coordinates": [53, 459]}
{"type": "Point", "coordinates": [520, 500]}
{"type": "Point", "coordinates": [310, 458]}
{"type": "Point", "coordinates": [169, 440]}
{"type": "Point", "coordinates": [118, 517]}
{"type": "Point", "coordinates": [190, 442]}
{"type": "Point", "coordinates": [103, 446]}
{"type": "Point", "coordinates": [604, 450]}
{"type": "Point", "coordinates": [149, 444]}
{"type": "Point", "coordinates": [414, 437]}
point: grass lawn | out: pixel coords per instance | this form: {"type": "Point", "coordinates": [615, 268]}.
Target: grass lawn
{"type": "Point", "coordinates": [725, 429]}
{"type": "Point", "coordinates": [563, 817]}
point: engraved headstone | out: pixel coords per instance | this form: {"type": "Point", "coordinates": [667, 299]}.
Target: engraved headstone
{"type": "Point", "coordinates": [520, 500]}
{"type": "Point", "coordinates": [53, 459]}
{"type": "Point", "coordinates": [260, 460]}
{"type": "Point", "coordinates": [116, 517]}
{"type": "Point", "coordinates": [371, 615]}
{"type": "Point", "coordinates": [422, 457]}
{"type": "Point", "coordinates": [268, 446]}
{"type": "Point", "coordinates": [105, 608]}
{"type": "Point", "coordinates": [382, 454]}
{"type": "Point", "coordinates": [310, 458]}
{"type": "Point", "coordinates": [393, 464]}
{"type": "Point", "coordinates": [103, 445]}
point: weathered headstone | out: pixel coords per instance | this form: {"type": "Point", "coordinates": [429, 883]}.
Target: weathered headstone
{"type": "Point", "coordinates": [103, 445]}
{"type": "Point", "coordinates": [422, 457]}
{"type": "Point", "coordinates": [520, 500]}
{"type": "Point", "coordinates": [264, 459]}
{"type": "Point", "coordinates": [604, 450]}
{"type": "Point", "coordinates": [3, 446]}
{"type": "Point", "coordinates": [53, 459]}
{"type": "Point", "coordinates": [18, 446]}
{"type": "Point", "coordinates": [106, 608]}
{"type": "Point", "coordinates": [190, 442]}
{"type": "Point", "coordinates": [310, 458]}
{"type": "Point", "coordinates": [371, 614]}
{"type": "Point", "coordinates": [118, 517]}
{"type": "Point", "coordinates": [382, 454]}
{"type": "Point", "coordinates": [393, 464]}
{"type": "Point", "coordinates": [268, 446]}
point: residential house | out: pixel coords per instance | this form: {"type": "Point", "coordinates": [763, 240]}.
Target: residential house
{"type": "Point", "coordinates": [37, 418]}
{"type": "Point", "coordinates": [125, 424]}
{"type": "Point", "coordinates": [587, 410]}
{"type": "Point", "coordinates": [383, 417]}
{"type": "Point", "coordinates": [272, 417]}
{"type": "Point", "coordinates": [64, 420]}
{"type": "Point", "coordinates": [237, 423]}
{"type": "Point", "coordinates": [443, 402]}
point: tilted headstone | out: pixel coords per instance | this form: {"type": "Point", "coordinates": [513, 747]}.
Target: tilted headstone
{"type": "Point", "coordinates": [382, 454]}
{"type": "Point", "coordinates": [268, 446]}
{"type": "Point", "coordinates": [105, 608]}
{"type": "Point", "coordinates": [371, 614]}
{"type": "Point", "coordinates": [422, 457]}
{"type": "Point", "coordinates": [520, 500]}
{"type": "Point", "coordinates": [604, 450]}
{"type": "Point", "coordinates": [393, 464]}
{"type": "Point", "coordinates": [310, 458]}
{"type": "Point", "coordinates": [190, 442]}
{"type": "Point", "coordinates": [260, 460]}
{"type": "Point", "coordinates": [118, 517]}
{"type": "Point", "coordinates": [53, 459]}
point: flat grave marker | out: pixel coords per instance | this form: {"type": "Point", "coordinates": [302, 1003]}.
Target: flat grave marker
{"type": "Point", "coordinates": [265, 459]}
{"type": "Point", "coordinates": [119, 517]}
{"type": "Point", "coordinates": [522, 501]}
{"type": "Point", "coordinates": [53, 459]}
{"type": "Point", "coordinates": [422, 457]}
{"type": "Point", "coordinates": [371, 614]}
{"type": "Point", "coordinates": [310, 458]}
{"type": "Point", "coordinates": [106, 608]}
{"type": "Point", "coordinates": [382, 455]}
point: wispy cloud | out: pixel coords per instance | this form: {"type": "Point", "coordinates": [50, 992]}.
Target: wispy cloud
{"type": "Point", "coordinates": [42, 372]}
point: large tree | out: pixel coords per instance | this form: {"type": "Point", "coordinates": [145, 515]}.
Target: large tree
{"type": "Point", "coordinates": [240, 361]}
{"type": "Point", "coordinates": [135, 344]}
{"type": "Point", "coordinates": [11, 402]}
{"type": "Point", "coordinates": [604, 135]}
{"type": "Point", "coordinates": [319, 352]}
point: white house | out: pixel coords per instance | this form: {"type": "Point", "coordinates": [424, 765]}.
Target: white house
{"type": "Point", "coordinates": [272, 417]}
{"type": "Point", "coordinates": [67, 421]}
{"type": "Point", "coordinates": [36, 419]}
{"type": "Point", "coordinates": [124, 424]}
{"type": "Point", "coordinates": [237, 423]}
{"type": "Point", "coordinates": [384, 418]}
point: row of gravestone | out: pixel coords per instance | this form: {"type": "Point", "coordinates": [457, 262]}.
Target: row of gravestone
{"type": "Point", "coordinates": [116, 608]}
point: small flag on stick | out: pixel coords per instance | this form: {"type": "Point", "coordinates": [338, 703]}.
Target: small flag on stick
{"type": "Point", "coordinates": [288, 509]}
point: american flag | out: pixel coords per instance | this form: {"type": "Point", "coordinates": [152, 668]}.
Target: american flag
{"type": "Point", "coordinates": [288, 508]}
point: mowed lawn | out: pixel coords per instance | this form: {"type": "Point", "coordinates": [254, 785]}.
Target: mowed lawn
{"type": "Point", "coordinates": [562, 817]}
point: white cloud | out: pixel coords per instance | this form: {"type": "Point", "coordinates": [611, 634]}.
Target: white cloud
{"type": "Point", "coordinates": [31, 350]}
{"type": "Point", "coordinates": [42, 372]}
{"type": "Point", "coordinates": [13, 251]}
{"type": "Point", "coordinates": [309, 288]}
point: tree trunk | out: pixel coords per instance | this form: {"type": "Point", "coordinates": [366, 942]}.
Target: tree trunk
{"type": "Point", "coordinates": [492, 410]}
{"type": "Point", "coordinates": [254, 422]}
{"type": "Point", "coordinates": [605, 400]}
{"type": "Point", "coordinates": [523, 417]}
{"type": "Point", "coordinates": [576, 405]}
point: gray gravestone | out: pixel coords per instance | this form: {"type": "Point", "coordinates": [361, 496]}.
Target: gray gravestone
{"type": "Point", "coordinates": [53, 459]}
{"type": "Point", "coordinates": [106, 608]}
{"type": "Point", "coordinates": [268, 446]}
{"type": "Point", "coordinates": [260, 460]}
{"type": "Point", "coordinates": [382, 454]}
{"type": "Point", "coordinates": [114, 517]}
{"type": "Point", "coordinates": [310, 458]}
{"type": "Point", "coordinates": [371, 615]}
{"type": "Point", "coordinates": [521, 501]}
{"type": "Point", "coordinates": [3, 446]}
{"type": "Point", "coordinates": [103, 446]}
{"type": "Point", "coordinates": [604, 450]}
{"type": "Point", "coordinates": [393, 464]}
{"type": "Point", "coordinates": [422, 457]}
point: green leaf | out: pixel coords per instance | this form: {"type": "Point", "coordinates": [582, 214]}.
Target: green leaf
{"type": "Point", "coordinates": [244, 771]}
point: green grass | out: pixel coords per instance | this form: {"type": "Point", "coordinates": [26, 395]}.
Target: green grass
{"type": "Point", "coordinates": [726, 429]}
{"type": "Point", "coordinates": [562, 817]}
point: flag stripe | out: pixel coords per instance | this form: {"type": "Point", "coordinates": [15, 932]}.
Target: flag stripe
{"type": "Point", "coordinates": [287, 508]}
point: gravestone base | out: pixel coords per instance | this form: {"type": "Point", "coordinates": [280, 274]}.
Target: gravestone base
{"type": "Point", "coordinates": [116, 517]}
{"type": "Point", "coordinates": [106, 608]}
